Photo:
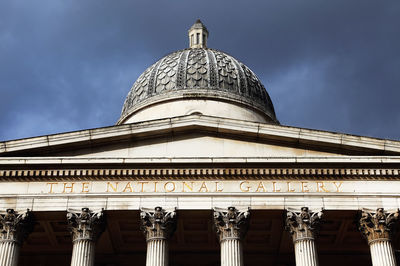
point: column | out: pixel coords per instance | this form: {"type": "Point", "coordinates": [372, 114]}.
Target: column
{"type": "Point", "coordinates": [231, 226]}
{"type": "Point", "coordinates": [85, 227]}
{"type": "Point", "coordinates": [303, 227]}
{"type": "Point", "coordinates": [14, 228]}
{"type": "Point", "coordinates": [377, 227]}
{"type": "Point", "coordinates": [158, 225]}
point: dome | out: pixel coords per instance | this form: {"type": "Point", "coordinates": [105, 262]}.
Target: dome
{"type": "Point", "coordinates": [198, 78]}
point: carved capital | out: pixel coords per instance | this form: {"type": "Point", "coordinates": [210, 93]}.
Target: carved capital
{"type": "Point", "coordinates": [15, 226]}
{"type": "Point", "coordinates": [86, 225]}
{"type": "Point", "coordinates": [231, 223]}
{"type": "Point", "coordinates": [304, 224]}
{"type": "Point", "coordinates": [158, 223]}
{"type": "Point", "coordinates": [377, 225]}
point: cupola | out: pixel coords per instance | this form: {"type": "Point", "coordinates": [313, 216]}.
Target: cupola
{"type": "Point", "coordinates": [198, 35]}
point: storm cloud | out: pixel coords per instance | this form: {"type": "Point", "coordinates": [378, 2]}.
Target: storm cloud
{"type": "Point", "coordinates": [328, 65]}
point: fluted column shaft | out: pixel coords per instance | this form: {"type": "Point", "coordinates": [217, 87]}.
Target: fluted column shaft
{"type": "Point", "coordinates": [382, 253]}
{"type": "Point", "coordinates": [231, 252]}
{"type": "Point", "coordinates": [86, 227]}
{"type": "Point", "coordinates": [305, 253]}
{"type": "Point", "coordinates": [377, 228]}
{"type": "Point", "coordinates": [9, 253]}
{"type": "Point", "coordinates": [157, 252]}
{"type": "Point", "coordinates": [231, 227]}
{"type": "Point", "coordinates": [303, 227]}
{"type": "Point", "coordinates": [15, 227]}
{"type": "Point", "coordinates": [158, 225]}
{"type": "Point", "coordinates": [83, 253]}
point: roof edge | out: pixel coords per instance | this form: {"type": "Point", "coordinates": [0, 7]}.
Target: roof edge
{"type": "Point", "coordinates": [217, 124]}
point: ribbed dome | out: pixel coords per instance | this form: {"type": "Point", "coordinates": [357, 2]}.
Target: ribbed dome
{"type": "Point", "coordinates": [199, 73]}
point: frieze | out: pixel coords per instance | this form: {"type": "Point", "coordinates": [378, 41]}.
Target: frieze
{"type": "Point", "coordinates": [187, 186]}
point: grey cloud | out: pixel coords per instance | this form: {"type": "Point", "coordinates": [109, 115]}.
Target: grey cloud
{"type": "Point", "coordinates": [68, 65]}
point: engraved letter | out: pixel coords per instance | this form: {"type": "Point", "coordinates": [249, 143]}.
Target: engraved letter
{"type": "Point", "coordinates": [289, 187]}
{"type": "Point", "coordinates": [112, 187]}
{"type": "Point", "coordinates": [128, 187]}
{"type": "Point", "coordinates": [203, 186]}
{"type": "Point", "coordinates": [171, 189]}
{"type": "Point", "coordinates": [244, 188]}
{"type": "Point", "coordinates": [304, 187]}
{"type": "Point", "coordinates": [71, 188]}
{"type": "Point", "coordinates": [320, 185]}
{"type": "Point", "coordinates": [186, 185]}
{"type": "Point", "coordinates": [274, 187]}
{"type": "Point", "coordinates": [338, 186]}
{"type": "Point", "coordinates": [260, 186]}
{"type": "Point", "coordinates": [142, 183]}
{"type": "Point", "coordinates": [51, 186]}
{"type": "Point", "coordinates": [217, 188]}
{"type": "Point", "coordinates": [85, 188]}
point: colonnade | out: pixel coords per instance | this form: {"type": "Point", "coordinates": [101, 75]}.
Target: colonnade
{"type": "Point", "coordinates": [230, 224]}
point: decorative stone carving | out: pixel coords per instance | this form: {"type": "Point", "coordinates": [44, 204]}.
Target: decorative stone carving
{"type": "Point", "coordinates": [158, 223]}
{"type": "Point", "coordinates": [304, 224]}
{"type": "Point", "coordinates": [231, 223]}
{"type": "Point", "coordinates": [15, 227]}
{"type": "Point", "coordinates": [198, 73]}
{"type": "Point", "coordinates": [379, 225]}
{"type": "Point", "coordinates": [86, 225]}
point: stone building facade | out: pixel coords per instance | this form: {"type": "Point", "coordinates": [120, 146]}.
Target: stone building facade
{"type": "Point", "coordinates": [198, 171]}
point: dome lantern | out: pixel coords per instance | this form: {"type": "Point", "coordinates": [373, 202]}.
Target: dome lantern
{"type": "Point", "coordinates": [198, 35]}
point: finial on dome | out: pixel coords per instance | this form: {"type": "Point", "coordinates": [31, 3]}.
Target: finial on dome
{"type": "Point", "coordinates": [198, 35]}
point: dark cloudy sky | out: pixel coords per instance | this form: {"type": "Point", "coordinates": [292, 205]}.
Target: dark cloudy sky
{"type": "Point", "coordinates": [329, 65]}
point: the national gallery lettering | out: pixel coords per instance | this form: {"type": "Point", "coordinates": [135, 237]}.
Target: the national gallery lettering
{"type": "Point", "coordinates": [198, 171]}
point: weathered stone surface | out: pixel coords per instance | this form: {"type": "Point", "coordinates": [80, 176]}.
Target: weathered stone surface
{"type": "Point", "coordinates": [304, 224]}
{"type": "Point", "coordinates": [231, 223]}
{"type": "Point", "coordinates": [203, 72]}
{"type": "Point", "coordinates": [86, 225]}
{"type": "Point", "coordinates": [377, 225]}
{"type": "Point", "coordinates": [14, 226]}
{"type": "Point", "coordinates": [158, 223]}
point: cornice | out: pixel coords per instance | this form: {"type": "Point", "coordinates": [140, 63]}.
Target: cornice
{"type": "Point", "coordinates": [297, 136]}
{"type": "Point", "coordinates": [126, 172]}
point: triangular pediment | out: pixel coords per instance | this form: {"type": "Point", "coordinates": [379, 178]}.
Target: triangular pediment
{"type": "Point", "coordinates": [198, 136]}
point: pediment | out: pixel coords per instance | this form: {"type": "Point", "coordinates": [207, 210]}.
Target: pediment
{"type": "Point", "coordinates": [198, 136]}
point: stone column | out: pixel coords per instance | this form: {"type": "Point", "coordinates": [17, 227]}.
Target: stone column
{"type": "Point", "coordinates": [231, 226]}
{"type": "Point", "coordinates": [85, 227]}
{"type": "Point", "coordinates": [303, 227]}
{"type": "Point", "coordinates": [14, 228]}
{"type": "Point", "coordinates": [377, 227]}
{"type": "Point", "coordinates": [158, 225]}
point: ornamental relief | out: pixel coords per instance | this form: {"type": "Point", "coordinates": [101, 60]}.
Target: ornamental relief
{"type": "Point", "coordinates": [231, 223]}
{"type": "Point", "coordinates": [198, 68]}
{"type": "Point", "coordinates": [86, 224]}
{"type": "Point", "coordinates": [15, 226]}
{"type": "Point", "coordinates": [157, 223]}
{"type": "Point", "coordinates": [378, 225]}
{"type": "Point", "coordinates": [304, 224]}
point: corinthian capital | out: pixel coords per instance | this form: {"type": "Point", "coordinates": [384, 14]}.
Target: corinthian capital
{"type": "Point", "coordinates": [377, 225]}
{"type": "Point", "coordinates": [158, 223]}
{"type": "Point", "coordinates": [86, 225]}
{"type": "Point", "coordinates": [15, 226]}
{"type": "Point", "coordinates": [303, 224]}
{"type": "Point", "coordinates": [231, 223]}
